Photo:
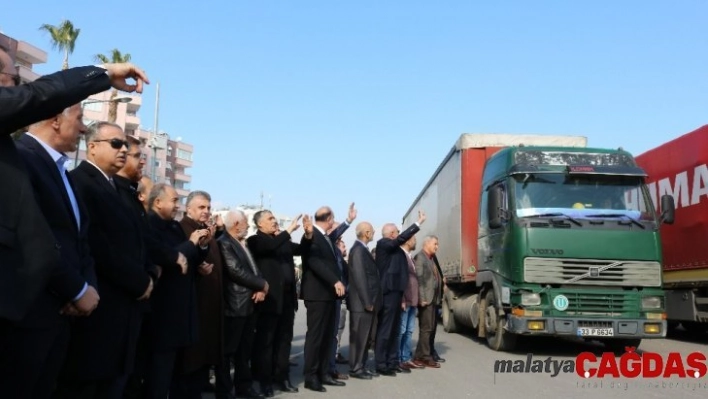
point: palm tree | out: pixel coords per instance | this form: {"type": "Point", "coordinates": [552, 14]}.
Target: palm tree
{"type": "Point", "coordinates": [115, 57]}
{"type": "Point", "coordinates": [63, 38]}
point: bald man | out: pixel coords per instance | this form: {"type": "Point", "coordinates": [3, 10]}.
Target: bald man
{"type": "Point", "coordinates": [321, 287]}
{"type": "Point", "coordinates": [364, 299]}
{"type": "Point", "coordinates": [392, 263]}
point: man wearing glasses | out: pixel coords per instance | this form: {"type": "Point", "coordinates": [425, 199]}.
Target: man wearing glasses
{"type": "Point", "coordinates": [103, 345]}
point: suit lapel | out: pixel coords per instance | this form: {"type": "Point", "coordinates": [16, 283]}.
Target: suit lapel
{"type": "Point", "coordinates": [99, 177]}
{"type": "Point", "coordinates": [49, 163]}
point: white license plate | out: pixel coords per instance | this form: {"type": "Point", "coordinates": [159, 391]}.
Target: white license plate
{"type": "Point", "coordinates": [595, 332]}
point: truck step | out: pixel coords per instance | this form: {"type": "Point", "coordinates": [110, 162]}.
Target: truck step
{"type": "Point", "coordinates": [701, 301]}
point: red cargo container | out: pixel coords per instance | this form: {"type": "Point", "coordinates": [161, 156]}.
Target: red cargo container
{"type": "Point", "coordinates": [679, 168]}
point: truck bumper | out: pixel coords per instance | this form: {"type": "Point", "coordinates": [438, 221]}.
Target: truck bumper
{"type": "Point", "coordinates": [597, 328]}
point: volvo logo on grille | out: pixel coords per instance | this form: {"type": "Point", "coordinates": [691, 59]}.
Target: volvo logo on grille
{"type": "Point", "coordinates": [594, 271]}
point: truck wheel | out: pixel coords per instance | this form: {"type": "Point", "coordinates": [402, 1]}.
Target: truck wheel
{"type": "Point", "coordinates": [448, 319]}
{"type": "Point", "coordinates": [618, 345]}
{"type": "Point", "coordinates": [498, 338]}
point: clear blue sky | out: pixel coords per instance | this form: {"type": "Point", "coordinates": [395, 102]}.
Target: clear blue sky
{"type": "Point", "coordinates": [323, 102]}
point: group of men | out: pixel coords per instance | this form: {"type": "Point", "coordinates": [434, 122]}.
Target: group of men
{"type": "Point", "coordinates": [105, 294]}
{"type": "Point", "coordinates": [385, 288]}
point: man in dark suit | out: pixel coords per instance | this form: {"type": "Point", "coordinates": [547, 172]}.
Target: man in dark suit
{"type": "Point", "coordinates": [266, 249]}
{"type": "Point", "coordinates": [102, 349]}
{"type": "Point", "coordinates": [157, 254]}
{"type": "Point", "coordinates": [393, 270]}
{"type": "Point", "coordinates": [172, 325]}
{"type": "Point", "coordinates": [28, 249]}
{"type": "Point", "coordinates": [321, 287]}
{"type": "Point", "coordinates": [244, 286]}
{"type": "Point", "coordinates": [32, 363]}
{"type": "Point", "coordinates": [364, 298]}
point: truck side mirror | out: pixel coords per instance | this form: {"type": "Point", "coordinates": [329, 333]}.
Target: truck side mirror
{"type": "Point", "coordinates": [495, 206]}
{"type": "Point", "coordinates": [668, 209]}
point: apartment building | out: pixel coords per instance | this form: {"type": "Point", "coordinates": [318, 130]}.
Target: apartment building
{"type": "Point", "coordinates": [26, 56]}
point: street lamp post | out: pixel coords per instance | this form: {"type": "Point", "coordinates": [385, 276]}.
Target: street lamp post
{"type": "Point", "coordinates": [83, 105]}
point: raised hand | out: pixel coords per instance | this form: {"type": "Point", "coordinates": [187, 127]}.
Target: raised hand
{"type": "Point", "coordinates": [421, 217]}
{"type": "Point", "coordinates": [118, 73]}
{"type": "Point", "coordinates": [352, 213]}
{"type": "Point", "coordinates": [295, 224]}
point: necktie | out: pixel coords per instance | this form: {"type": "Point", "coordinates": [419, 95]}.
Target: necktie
{"type": "Point", "coordinates": [61, 162]}
{"type": "Point", "coordinates": [110, 180]}
{"type": "Point", "coordinates": [411, 265]}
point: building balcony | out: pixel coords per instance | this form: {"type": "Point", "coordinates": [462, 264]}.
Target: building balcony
{"type": "Point", "coordinates": [132, 120]}
{"type": "Point", "coordinates": [30, 53]}
{"type": "Point", "coordinates": [27, 74]}
{"type": "Point", "coordinates": [181, 177]}
{"type": "Point", "coordinates": [183, 162]}
{"type": "Point", "coordinates": [182, 192]}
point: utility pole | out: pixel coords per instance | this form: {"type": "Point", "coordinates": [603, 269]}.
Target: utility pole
{"type": "Point", "coordinates": [154, 134]}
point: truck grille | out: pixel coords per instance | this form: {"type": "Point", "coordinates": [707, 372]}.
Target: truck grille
{"type": "Point", "coordinates": [588, 304]}
{"type": "Point", "coordinates": [560, 271]}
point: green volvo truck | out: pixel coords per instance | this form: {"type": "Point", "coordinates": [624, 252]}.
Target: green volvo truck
{"type": "Point", "coordinates": [542, 236]}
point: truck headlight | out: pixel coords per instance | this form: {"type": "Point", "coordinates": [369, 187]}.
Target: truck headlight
{"type": "Point", "coordinates": [651, 302]}
{"type": "Point", "coordinates": [530, 299]}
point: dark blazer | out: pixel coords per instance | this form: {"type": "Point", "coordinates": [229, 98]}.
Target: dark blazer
{"type": "Point", "coordinates": [172, 322]}
{"type": "Point", "coordinates": [364, 281]}
{"type": "Point", "coordinates": [241, 278]}
{"type": "Point", "coordinates": [392, 261]}
{"type": "Point", "coordinates": [319, 269]}
{"type": "Point", "coordinates": [76, 266]}
{"type": "Point", "coordinates": [158, 254]}
{"type": "Point", "coordinates": [103, 345]}
{"type": "Point", "coordinates": [266, 251]}
{"type": "Point", "coordinates": [28, 249]}
{"type": "Point", "coordinates": [429, 287]}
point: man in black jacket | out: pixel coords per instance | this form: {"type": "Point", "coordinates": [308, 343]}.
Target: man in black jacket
{"type": "Point", "coordinates": [393, 269]}
{"type": "Point", "coordinates": [103, 345]}
{"type": "Point", "coordinates": [40, 340]}
{"type": "Point", "coordinates": [321, 287]}
{"type": "Point", "coordinates": [28, 249]}
{"type": "Point", "coordinates": [364, 298]}
{"type": "Point", "coordinates": [172, 324]}
{"type": "Point", "coordinates": [267, 252]}
{"type": "Point", "coordinates": [244, 286]}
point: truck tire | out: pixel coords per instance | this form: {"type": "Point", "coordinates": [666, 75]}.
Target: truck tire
{"type": "Point", "coordinates": [448, 318]}
{"type": "Point", "coordinates": [498, 338]}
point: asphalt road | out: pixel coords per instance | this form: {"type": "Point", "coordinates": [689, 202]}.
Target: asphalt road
{"type": "Point", "coordinates": [469, 372]}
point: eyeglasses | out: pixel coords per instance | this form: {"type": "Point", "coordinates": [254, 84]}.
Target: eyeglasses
{"type": "Point", "coordinates": [15, 77]}
{"type": "Point", "coordinates": [116, 144]}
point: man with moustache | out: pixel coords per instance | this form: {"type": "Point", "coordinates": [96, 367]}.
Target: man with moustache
{"type": "Point", "coordinates": [173, 322]}
{"type": "Point", "coordinates": [102, 350]}
{"type": "Point", "coordinates": [198, 359]}
{"type": "Point", "coordinates": [282, 341]}
{"type": "Point", "coordinates": [393, 269]}
{"type": "Point", "coordinates": [266, 249]}
{"type": "Point", "coordinates": [29, 250]}
{"type": "Point", "coordinates": [39, 341]}
{"type": "Point", "coordinates": [364, 298]}
{"type": "Point", "coordinates": [244, 286]}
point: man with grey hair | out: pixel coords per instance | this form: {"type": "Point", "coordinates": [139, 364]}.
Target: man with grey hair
{"type": "Point", "coordinates": [430, 285]}
{"type": "Point", "coordinates": [39, 341]}
{"type": "Point", "coordinates": [96, 363]}
{"type": "Point", "coordinates": [198, 359]}
{"type": "Point", "coordinates": [244, 287]}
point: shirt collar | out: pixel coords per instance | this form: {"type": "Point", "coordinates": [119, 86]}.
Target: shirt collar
{"type": "Point", "coordinates": [324, 233]}
{"type": "Point", "coordinates": [57, 157]}
{"type": "Point", "coordinates": [99, 169]}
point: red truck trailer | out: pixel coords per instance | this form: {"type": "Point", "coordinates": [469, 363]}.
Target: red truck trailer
{"type": "Point", "coordinates": [679, 168]}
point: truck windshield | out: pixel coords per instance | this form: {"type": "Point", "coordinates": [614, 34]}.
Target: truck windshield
{"type": "Point", "coordinates": [582, 196]}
